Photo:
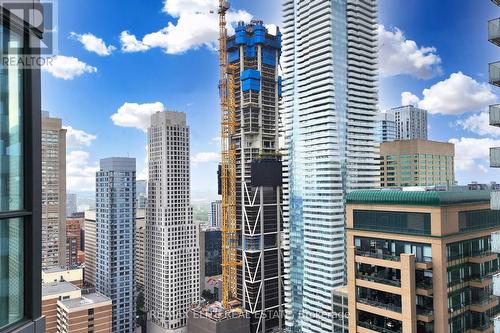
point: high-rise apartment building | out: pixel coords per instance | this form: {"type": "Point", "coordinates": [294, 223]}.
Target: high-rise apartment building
{"type": "Point", "coordinates": [494, 79]}
{"type": "Point", "coordinates": [142, 194]}
{"type": "Point", "coordinates": [387, 127]}
{"type": "Point", "coordinates": [421, 261]}
{"type": "Point", "coordinates": [53, 192]}
{"type": "Point", "coordinates": [411, 122]}
{"type": "Point", "coordinates": [417, 163]}
{"type": "Point", "coordinates": [90, 248]}
{"type": "Point", "coordinates": [73, 240]}
{"type": "Point", "coordinates": [140, 248]}
{"type": "Point", "coordinates": [20, 175]}
{"type": "Point", "coordinates": [215, 215]}
{"type": "Point", "coordinates": [71, 204]}
{"type": "Point", "coordinates": [172, 253]}
{"type": "Point", "coordinates": [115, 228]}
{"type": "Point", "coordinates": [254, 55]}
{"type": "Point", "coordinates": [330, 119]}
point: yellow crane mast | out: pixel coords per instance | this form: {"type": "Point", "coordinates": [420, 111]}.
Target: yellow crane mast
{"type": "Point", "coordinates": [228, 166]}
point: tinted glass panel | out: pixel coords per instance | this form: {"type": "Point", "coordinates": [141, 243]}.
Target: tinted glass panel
{"type": "Point", "coordinates": [11, 163]}
{"type": "Point", "coordinates": [397, 222]}
{"type": "Point", "coordinates": [11, 271]}
{"type": "Point", "coordinates": [479, 219]}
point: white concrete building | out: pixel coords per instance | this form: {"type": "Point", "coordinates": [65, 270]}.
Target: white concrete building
{"type": "Point", "coordinates": [411, 122]}
{"type": "Point", "coordinates": [215, 215]}
{"type": "Point", "coordinates": [329, 118]}
{"type": "Point", "coordinates": [172, 252]}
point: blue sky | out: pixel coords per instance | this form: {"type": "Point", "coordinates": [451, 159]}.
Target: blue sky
{"type": "Point", "coordinates": [130, 58]}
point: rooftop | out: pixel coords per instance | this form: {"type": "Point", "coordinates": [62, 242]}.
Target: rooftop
{"type": "Point", "coordinates": [55, 288]}
{"type": "Point", "coordinates": [420, 198]}
{"type": "Point", "coordinates": [85, 301]}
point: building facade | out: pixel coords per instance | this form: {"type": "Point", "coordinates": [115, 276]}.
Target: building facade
{"type": "Point", "coordinates": [417, 163]}
{"type": "Point", "coordinates": [215, 215]}
{"type": "Point", "coordinates": [115, 228]}
{"type": "Point", "coordinates": [421, 261]}
{"type": "Point", "coordinates": [254, 55]}
{"type": "Point", "coordinates": [73, 241]}
{"type": "Point", "coordinates": [494, 79]}
{"type": "Point", "coordinates": [411, 122]}
{"type": "Point", "coordinates": [53, 192]}
{"type": "Point", "coordinates": [90, 248]}
{"type": "Point", "coordinates": [140, 247]}
{"type": "Point", "coordinates": [90, 313]}
{"type": "Point", "coordinates": [330, 119]}
{"type": "Point", "coordinates": [20, 178]}
{"type": "Point", "coordinates": [172, 252]}
{"type": "Point", "coordinates": [387, 127]}
{"type": "Point", "coordinates": [71, 204]}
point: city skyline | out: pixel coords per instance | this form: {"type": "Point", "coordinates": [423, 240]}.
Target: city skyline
{"type": "Point", "coordinates": [157, 83]}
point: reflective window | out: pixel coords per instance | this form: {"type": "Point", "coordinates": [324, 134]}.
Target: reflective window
{"type": "Point", "coordinates": [397, 222]}
{"type": "Point", "coordinates": [11, 134]}
{"type": "Point", "coordinates": [11, 271]}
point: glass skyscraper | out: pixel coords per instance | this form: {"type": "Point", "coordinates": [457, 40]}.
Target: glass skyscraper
{"type": "Point", "coordinates": [329, 117]}
{"type": "Point", "coordinates": [115, 227]}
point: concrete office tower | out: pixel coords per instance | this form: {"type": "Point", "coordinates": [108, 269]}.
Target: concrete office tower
{"type": "Point", "coordinates": [411, 122]}
{"type": "Point", "coordinates": [53, 192]}
{"type": "Point", "coordinates": [115, 227]}
{"type": "Point", "coordinates": [255, 54]}
{"type": "Point", "coordinates": [90, 248]}
{"type": "Point", "coordinates": [172, 253]}
{"type": "Point", "coordinates": [215, 215]}
{"type": "Point", "coordinates": [387, 127]}
{"type": "Point", "coordinates": [330, 118]}
{"type": "Point", "coordinates": [141, 194]}
{"type": "Point", "coordinates": [421, 261]}
{"type": "Point", "coordinates": [494, 79]}
{"type": "Point", "coordinates": [71, 204]}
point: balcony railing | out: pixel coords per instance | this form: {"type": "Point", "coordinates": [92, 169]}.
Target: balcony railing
{"type": "Point", "coordinates": [495, 157]}
{"type": "Point", "coordinates": [377, 255]}
{"type": "Point", "coordinates": [380, 305]}
{"type": "Point", "coordinates": [495, 115]}
{"type": "Point", "coordinates": [377, 279]}
{"type": "Point", "coordinates": [378, 328]}
{"type": "Point", "coordinates": [494, 31]}
{"type": "Point", "coordinates": [494, 73]}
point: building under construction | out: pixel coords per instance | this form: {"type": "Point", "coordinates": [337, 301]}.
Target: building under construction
{"type": "Point", "coordinates": [253, 56]}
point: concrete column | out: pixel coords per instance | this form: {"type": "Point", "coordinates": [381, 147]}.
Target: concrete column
{"type": "Point", "coordinates": [440, 287]}
{"type": "Point", "coordinates": [408, 293]}
{"type": "Point", "coordinates": [351, 287]}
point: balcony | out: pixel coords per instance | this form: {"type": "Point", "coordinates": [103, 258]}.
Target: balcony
{"type": "Point", "coordinates": [485, 328]}
{"type": "Point", "coordinates": [494, 73]}
{"type": "Point", "coordinates": [484, 304]}
{"type": "Point", "coordinates": [371, 322]}
{"type": "Point", "coordinates": [425, 314]}
{"type": "Point", "coordinates": [494, 31]}
{"type": "Point", "coordinates": [378, 274]}
{"type": "Point", "coordinates": [495, 157]}
{"type": "Point", "coordinates": [495, 115]}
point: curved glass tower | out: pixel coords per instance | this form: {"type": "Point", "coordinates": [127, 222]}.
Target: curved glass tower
{"type": "Point", "coordinates": [330, 107]}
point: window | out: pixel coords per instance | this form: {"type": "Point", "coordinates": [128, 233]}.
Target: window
{"type": "Point", "coordinates": [398, 222]}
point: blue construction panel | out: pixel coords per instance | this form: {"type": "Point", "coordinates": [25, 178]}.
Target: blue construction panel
{"type": "Point", "coordinates": [250, 80]}
{"type": "Point", "coordinates": [250, 52]}
{"type": "Point", "coordinates": [269, 56]}
{"type": "Point", "coordinates": [241, 34]}
{"type": "Point", "coordinates": [234, 55]}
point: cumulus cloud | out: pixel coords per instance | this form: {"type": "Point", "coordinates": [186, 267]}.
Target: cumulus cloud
{"type": "Point", "coordinates": [80, 171]}
{"type": "Point", "coordinates": [472, 155]}
{"type": "Point", "coordinates": [67, 68]}
{"type": "Point", "coordinates": [401, 56]}
{"type": "Point", "coordinates": [455, 95]}
{"type": "Point", "coordinates": [78, 138]}
{"type": "Point", "coordinates": [136, 115]}
{"type": "Point", "coordinates": [205, 157]}
{"type": "Point", "coordinates": [480, 124]}
{"type": "Point", "coordinates": [408, 98]}
{"type": "Point", "coordinates": [93, 44]}
{"type": "Point", "coordinates": [197, 25]}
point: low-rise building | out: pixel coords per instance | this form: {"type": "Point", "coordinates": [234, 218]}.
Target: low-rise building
{"type": "Point", "coordinates": [421, 261]}
{"type": "Point", "coordinates": [57, 274]}
{"type": "Point", "coordinates": [51, 293]}
{"type": "Point", "coordinates": [89, 313]}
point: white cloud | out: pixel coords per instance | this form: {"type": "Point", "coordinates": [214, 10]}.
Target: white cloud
{"type": "Point", "coordinates": [197, 25]}
{"type": "Point", "coordinates": [136, 115]}
{"type": "Point", "coordinates": [205, 157]}
{"type": "Point", "coordinates": [398, 56]}
{"type": "Point", "coordinates": [472, 155]}
{"type": "Point", "coordinates": [67, 68]}
{"type": "Point", "coordinates": [408, 98]}
{"type": "Point", "coordinates": [93, 44]}
{"type": "Point", "coordinates": [455, 95]}
{"type": "Point", "coordinates": [80, 172]}
{"type": "Point", "coordinates": [480, 124]}
{"type": "Point", "coordinates": [78, 138]}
